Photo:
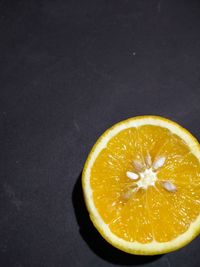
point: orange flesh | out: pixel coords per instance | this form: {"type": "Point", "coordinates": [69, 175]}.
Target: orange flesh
{"type": "Point", "coordinates": [153, 213]}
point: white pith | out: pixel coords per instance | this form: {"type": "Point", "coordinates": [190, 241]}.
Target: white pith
{"type": "Point", "coordinates": [137, 247]}
{"type": "Point", "coordinates": [147, 178]}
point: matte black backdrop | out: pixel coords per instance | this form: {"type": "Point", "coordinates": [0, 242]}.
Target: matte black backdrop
{"type": "Point", "coordinates": [69, 70]}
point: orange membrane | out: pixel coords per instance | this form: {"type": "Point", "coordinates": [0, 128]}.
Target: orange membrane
{"type": "Point", "coordinates": [139, 209]}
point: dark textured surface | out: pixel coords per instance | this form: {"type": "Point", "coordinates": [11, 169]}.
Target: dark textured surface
{"type": "Point", "coordinates": [69, 70]}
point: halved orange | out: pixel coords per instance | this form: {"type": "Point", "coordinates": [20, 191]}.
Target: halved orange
{"type": "Point", "coordinates": [141, 185]}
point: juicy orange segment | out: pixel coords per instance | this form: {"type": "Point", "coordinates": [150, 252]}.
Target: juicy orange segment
{"type": "Point", "coordinates": [144, 185]}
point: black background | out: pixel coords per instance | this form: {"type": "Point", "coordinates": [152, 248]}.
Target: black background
{"type": "Point", "coordinates": [69, 70]}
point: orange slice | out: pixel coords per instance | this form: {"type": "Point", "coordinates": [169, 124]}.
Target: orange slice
{"type": "Point", "coordinates": [141, 185]}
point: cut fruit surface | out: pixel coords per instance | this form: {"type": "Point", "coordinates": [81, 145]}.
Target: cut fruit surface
{"type": "Point", "coordinates": [141, 184]}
